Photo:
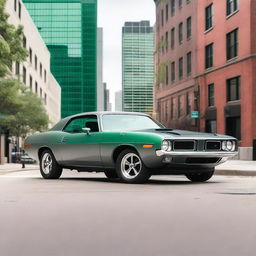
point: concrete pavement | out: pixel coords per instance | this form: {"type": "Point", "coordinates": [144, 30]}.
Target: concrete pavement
{"type": "Point", "coordinates": [87, 214]}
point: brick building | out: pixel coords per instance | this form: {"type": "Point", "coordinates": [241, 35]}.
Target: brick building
{"type": "Point", "coordinates": [223, 65]}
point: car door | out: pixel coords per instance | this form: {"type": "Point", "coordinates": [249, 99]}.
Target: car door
{"type": "Point", "coordinates": [80, 148]}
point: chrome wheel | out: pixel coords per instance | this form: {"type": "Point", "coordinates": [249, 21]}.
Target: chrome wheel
{"type": "Point", "coordinates": [131, 165]}
{"type": "Point", "coordinates": [46, 163]}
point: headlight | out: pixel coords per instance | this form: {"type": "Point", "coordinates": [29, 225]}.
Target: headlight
{"type": "Point", "coordinates": [229, 145]}
{"type": "Point", "coordinates": [224, 145]}
{"type": "Point", "coordinates": [234, 146]}
{"type": "Point", "coordinates": [166, 145]}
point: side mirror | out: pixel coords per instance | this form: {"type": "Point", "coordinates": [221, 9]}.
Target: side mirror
{"type": "Point", "coordinates": [86, 130]}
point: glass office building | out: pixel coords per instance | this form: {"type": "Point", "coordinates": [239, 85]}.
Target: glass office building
{"type": "Point", "coordinates": [69, 29]}
{"type": "Point", "coordinates": [137, 66]}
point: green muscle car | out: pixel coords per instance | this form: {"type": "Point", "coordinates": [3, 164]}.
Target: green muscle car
{"type": "Point", "coordinates": [128, 146]}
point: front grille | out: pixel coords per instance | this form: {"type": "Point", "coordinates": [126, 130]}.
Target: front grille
{"type": "Point", "coordinates": [197, 160]}
{"type": "Point", "coordinates": [184, 145]}
{"type": "Point", "coordinates": [213, 145]}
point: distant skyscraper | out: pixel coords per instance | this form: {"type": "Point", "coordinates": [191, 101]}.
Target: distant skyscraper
{"type": "Point", "coordinates": [69, 29]}
{"type": "Point", "coordinates": [138, 66]}
{"type": "Point", "coordinates": [107, 104]}
{"type": "Point", "coordinates": [100, 86]}
{"type": "Point", "coordinates": [118, 101]}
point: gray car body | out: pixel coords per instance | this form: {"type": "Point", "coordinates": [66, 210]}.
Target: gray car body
{"type": "Point", "coordinates": [98, 151]}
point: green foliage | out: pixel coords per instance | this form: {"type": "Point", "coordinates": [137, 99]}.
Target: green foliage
{"type": "Point", "coordinates": [161, 72]}
{"type": "Point", "coordinates": [11, 48]}
{"type": "Point", "coordinates": [21, 111]}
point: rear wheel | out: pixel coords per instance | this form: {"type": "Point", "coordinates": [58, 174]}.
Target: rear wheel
{"type": "Point", "coordinates": [49, 167]}
{"type": "Point", "coordinates": [130, 168]}
{"type": "Point", "coordinates": [200, 176]}
{"type": "Point", "coordinates": [111, 174]}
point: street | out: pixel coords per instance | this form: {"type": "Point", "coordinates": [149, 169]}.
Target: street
{"type": "Point", "coordinates": [86, 214]}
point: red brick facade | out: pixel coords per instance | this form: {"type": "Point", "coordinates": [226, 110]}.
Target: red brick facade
{"type": "Point", "coordinates": [222, 84]}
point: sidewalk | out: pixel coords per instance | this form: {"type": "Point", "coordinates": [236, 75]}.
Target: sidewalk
{"type": "Point", "coordinates": [8, 168]}
{"type": "Point", "coordinates": [230, 168]}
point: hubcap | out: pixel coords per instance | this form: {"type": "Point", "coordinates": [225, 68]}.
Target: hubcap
{"type": "Point", "coordinates": [46, 163]}
{"type": "Point", "coordinates": [131, 166]}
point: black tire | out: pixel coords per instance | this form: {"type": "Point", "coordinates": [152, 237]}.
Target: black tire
{"type": "Point", "coordinates": [111, 174]}
{"type": "Point", "coordinates": [54, 171]}
{"type": "Point", "coordinates": [200, 176]}
{"type": "Point", "coordinates": [138, 172]}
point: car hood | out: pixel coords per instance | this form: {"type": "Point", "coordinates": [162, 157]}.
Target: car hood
{"type": "Point", "coordinates": [182, 134]}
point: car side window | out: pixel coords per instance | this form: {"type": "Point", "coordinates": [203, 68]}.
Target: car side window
{"type": "Point", "coordinates": [76, 125]}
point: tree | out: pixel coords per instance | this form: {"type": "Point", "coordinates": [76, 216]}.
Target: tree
{"type": "Point", "coordinates": [11, 48]}
{"type": "Point", "coordinates": [21, 111]}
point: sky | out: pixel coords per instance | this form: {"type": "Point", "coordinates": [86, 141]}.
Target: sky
{"type": "Point", "coordinates": [111, 17]}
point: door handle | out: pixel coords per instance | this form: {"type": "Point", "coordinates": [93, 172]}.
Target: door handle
{"type": "Point", "coordinates": [64, 139]}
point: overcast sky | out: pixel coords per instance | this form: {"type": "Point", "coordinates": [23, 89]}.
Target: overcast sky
{"type": "Point", "coordinates": [111, 16]}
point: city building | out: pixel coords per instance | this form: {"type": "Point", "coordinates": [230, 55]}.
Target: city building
{"type": "Point", "coordinates": [35, 72]}
{"type": "Point", "coordinates": [138, 66]}
{"type": "Point", "coordinates": [69, 29]}
{"type": "Point", "coordinates": [107, 103]}
{"type": "Point", "coordinates": [175, 63]}
{"type": "Point", "coordinates": [118, 101]}
{"type": "Point", "coordinates": [100, 86]}
{"type": "Point", "coordinates": [223, 65]}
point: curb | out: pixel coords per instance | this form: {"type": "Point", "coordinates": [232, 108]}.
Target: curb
{"type": "Point", "coordinates": [251, 173]}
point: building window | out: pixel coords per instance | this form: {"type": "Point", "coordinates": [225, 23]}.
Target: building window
{"type": "Point", "coordinates": [173, 71]}
{"type": "Point", "coordinates": [172, 7]}
{"type": "Point", "coordinates": [45, 76]}
{"type": "Point", "coordinates": [19, 11]}
{"type": "Point", "coordinates": [36, 87]}
{"type": "Point", "coordinates": [162, 17]}
{"type": "Point", "coordinates": [45, 98]}
{"type": "Point", "coordinates": [172, 38]}
{"type": "Point", "coordinates": [166, 74]}
{"type": "Point", "coordinates": [180, 33]}
{"type": "Point", "coordinates": [211, 126]}
{"type": "Point", "coordinates": [24, 42]}
{"type": "Point", "coordinates": [232, 6]}
{"type": "Point", "coordinates": [180, 68]}
{"type": "Point", "coordinates": [188, 105]}
{"type": "Point", "coordinates": [41, 69]}
{"type": "Point", "coordinates": [15, 5]}
{"type": "Point", "coordinates": [188, 28]}
{"type": "Point", "coordinates": [172, 108]}
{"type": "Point", "coordinates": [30, 82]}
{"type": "Point", "coordinates": [233, 89]}
{"type": "Point", "coordinates": [233, 126]}
{"type": "Point", "coordinates": [166, 12]}
{"type": "Point", "coordinates": [180, 106]}
{"type": "Point", "coordinates": [24, 75]}
{"type": "Point", "coordinates": [41, 92]}
{"type": "Point", "coordinates": [188, 1]}
{"type": "Point", "coordinates": [166, 40]}
{"type": "Point", "coordinates": [232, 44]}
{"type": "Point", "coordinates": [162, 42]}
{"type": "Point", "coordinates": [209, 56]}
{"type": "Point", "coordinates": [189, 63]}
{"type": "Point", "coordinates": [17, 68]}
{"type": "Point", "coordinates": [30, 55]}
{"type": "Point", "coordinates": [211, 95]}
{"type": "Point", "coordinates": [208, 17]}
{"type": "Point", "coordinates": [180, 3]}
{"type": "Point", "coordinates": [35, 62]}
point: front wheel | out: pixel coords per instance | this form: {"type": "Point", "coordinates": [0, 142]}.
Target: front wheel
{"type": "Point", "coordinates": [130, 168]}
{"type": "Point", "coordinates": [200, 176]}
{"type": "Point", "coordinates": [49, 167]}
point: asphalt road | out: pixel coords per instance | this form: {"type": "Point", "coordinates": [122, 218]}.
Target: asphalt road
{"type": "Point", "coordinates": [86, 214]}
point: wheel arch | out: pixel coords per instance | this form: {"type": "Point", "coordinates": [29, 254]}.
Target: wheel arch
{"type": "Point", "coordinates": [41, 150]}
{"type": "Point", "coordinates": [121, 148]}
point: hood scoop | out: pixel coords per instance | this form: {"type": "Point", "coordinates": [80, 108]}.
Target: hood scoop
{"type": "Point", "coordinates": [168, 131]}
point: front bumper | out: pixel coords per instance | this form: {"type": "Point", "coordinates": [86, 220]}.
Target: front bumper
{"type": "Point", "coordinates": [220, 154]}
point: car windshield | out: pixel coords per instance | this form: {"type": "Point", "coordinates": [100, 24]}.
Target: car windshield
{"type": "Point", "coordinates": [119, 122]}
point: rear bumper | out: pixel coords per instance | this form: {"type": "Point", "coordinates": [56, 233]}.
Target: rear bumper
{"type": "Point", "coordinates": [196, 154]}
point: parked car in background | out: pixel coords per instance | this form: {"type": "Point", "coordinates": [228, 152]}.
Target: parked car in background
{"type": "Point", "coordinates": [128, 146]}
